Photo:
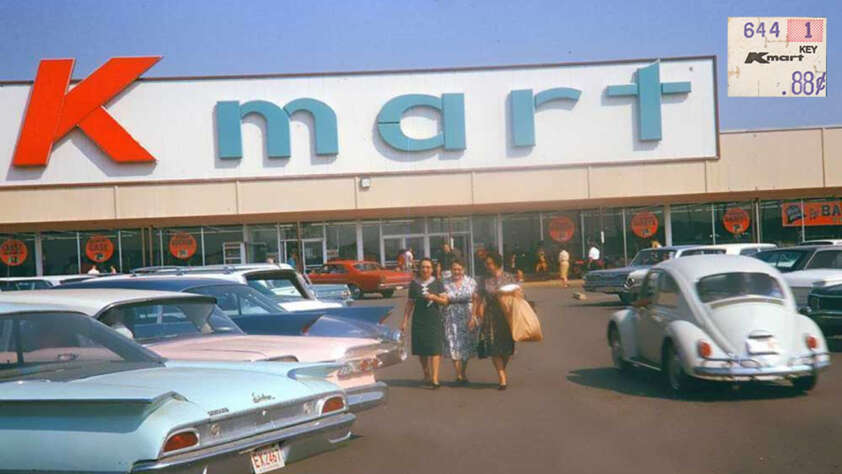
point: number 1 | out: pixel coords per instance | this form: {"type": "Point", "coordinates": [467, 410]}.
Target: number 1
{"type": "Point", "coordinates": [808, 35]}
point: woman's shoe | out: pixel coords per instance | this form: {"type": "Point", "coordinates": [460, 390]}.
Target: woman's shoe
{"type": "Point", "coordinates": [436, 386]}
{"type": "Point", "coordinates": [462, 381]}
{"type": "Point", "coordinates": [501, 387]}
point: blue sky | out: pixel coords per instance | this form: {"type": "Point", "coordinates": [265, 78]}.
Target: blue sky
{"type": "Point", "coordinates": [258, 36]}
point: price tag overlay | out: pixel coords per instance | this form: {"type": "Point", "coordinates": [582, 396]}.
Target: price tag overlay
{"type": "Point", "coordinates": [777, 57]}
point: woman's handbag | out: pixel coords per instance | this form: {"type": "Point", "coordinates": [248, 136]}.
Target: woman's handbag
{"type": "Point", "coordinates": [522, 319]}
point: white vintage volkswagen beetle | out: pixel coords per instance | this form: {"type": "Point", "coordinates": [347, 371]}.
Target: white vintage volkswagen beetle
{"type": "Point", "coordinates": [717, 317]}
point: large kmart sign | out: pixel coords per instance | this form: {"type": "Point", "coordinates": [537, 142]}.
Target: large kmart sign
{"type": "Point", "coordinates": [112, 126]}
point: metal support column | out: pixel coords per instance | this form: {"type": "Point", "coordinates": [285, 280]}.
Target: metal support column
{"type": "Point", "coordinates": [668, 224]}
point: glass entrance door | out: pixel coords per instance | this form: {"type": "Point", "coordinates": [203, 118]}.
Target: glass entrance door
{"type": "Point", "coordinates": [314, 254]}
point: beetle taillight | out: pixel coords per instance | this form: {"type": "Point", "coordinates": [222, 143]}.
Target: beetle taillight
{"type": "Point", "coordinates": [333, 404]}
{"type": "Point", "coordinates": [181, 440]}
{"type": "Point", "coordinates": [812, 342]}
{"type": "Point", "coordinates": [704, 349]}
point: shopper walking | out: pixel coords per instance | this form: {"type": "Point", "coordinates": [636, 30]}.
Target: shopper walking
{"type": "Point", "coordinates": [460, 323]}
{"type": "Point", "coordinates": [564, 266]}
{"type": "Point", "coordinates": [495, 338]}
{"type": "Point", "coordinates": [426, 294]}
{"type": "Point", "coordinates": [593, 256]}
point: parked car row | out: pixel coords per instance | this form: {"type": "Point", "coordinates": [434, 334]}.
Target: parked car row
{"type": "Point", "coordinates": [211, 369]}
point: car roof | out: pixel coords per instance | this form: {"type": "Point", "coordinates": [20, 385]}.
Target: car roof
{"type": "Point", "coordinates": [151, 282]}
{"type": "Point", "coordinates": [669, 247]}
{"type": "Point", "coordinates": [91, 301]}
{"type": "Point", "coordinates": [238, 268]}
{"type": "Point", "coordinates": [15, 307]}
{"type": "Point", "coordinates": [696, 267]}
{"type": "Point", "coordinates": [51, 278]}
{"type": "Point", "coordinates": [740, 246]}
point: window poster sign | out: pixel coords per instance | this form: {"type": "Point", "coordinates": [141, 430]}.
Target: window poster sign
{"type": "Point", "coordinates": [13, 252]}
{"type": "Point", "coordinates": [182, 245]}
{"type": "Point", "coordinates": [644, 224]}
{"type": "Point", "coordinates": [561, 229]}
{"type": "Point", "coordinates": [736, 220]}
{"type": "Point", "coordinates": [99, 248]}
{"type": "Point", "coordinates": [814, 213]}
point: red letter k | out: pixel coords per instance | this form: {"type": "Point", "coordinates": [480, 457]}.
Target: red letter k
{"type": "Point", "coordinates": [53, 112]}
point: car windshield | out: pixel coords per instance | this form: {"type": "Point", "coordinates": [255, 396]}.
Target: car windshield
{"type": "Point", "coordinates": [64, 346]}
{"type": "Point", "coordinates": [732, 285]}
{"type": "Point", "coordinates": [367, 267]}
{"type": "Point", "coordinates": [149, 322]}
{"type": "Point", "coordinates": [831, 259]}
{"type": "Point", "coordinates": [783, 260]}
{"type": "Point", "coordinates": [651, 257]}
{"type": "Point", "coordinates": [282, 287]}
{"type": "Point", "coordinates": [240, 300]}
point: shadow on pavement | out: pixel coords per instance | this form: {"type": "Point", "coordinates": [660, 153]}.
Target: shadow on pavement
{"type": "Point", "coordinates": [419, 384]}
{"type": "Point", "coordinates": [648, 383]}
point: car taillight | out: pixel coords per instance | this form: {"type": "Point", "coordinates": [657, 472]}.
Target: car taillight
{"type": "Point", "coordinates": [359, 366]}
{"type": "Point", "coordinates": [704, 349]}
{"type": "Point", "coordinates": [181, 440]}
{"type": "Point", "coordinates": [333, 404]}
{"type": "Point", "coordinates": [812, 342]}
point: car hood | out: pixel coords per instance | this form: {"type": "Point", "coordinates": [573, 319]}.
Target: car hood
{"type": "Point", "coordinates": [256, 347]}
{"type": "Point", "coordinates": [615, 272]}
{"type": "Point", "coordinates": [809, 278]}
{"type": "Point", "coordinates": [734, 321]}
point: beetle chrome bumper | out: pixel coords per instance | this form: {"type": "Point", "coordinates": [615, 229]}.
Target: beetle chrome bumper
{"type": "Point", "coordinates": [366, 397]}
{"type": "Point", "coordinates": [743, 370]}
{"type": "Point", "coordinates": [296, 442]}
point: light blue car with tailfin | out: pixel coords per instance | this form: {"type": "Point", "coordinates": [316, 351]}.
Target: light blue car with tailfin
{"type": "Point", "coordinates": [76, 396]}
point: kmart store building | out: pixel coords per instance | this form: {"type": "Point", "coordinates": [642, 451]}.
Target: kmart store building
{"type": "Point", "coordinates": [126, 172]}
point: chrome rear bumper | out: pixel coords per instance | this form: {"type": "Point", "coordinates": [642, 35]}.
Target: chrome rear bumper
{"type": "Point", "coordinates": [740, 373]}
{"type": "Point", "coordinates": [296, 442]}
{"type": "Point", "coordinates": [366, 397]}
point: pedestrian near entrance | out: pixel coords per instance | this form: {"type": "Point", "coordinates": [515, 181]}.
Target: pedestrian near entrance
{"type": "Point", "coordinates": [593, 256]}
{"type": "Point", "coordinates": [460, 322]}
{"type": "Point", "coordinates": [293, 260]}
{"type": "Point", "coordinates": [426, 294]}
{"type": "Point", "coordinates": [448, 256]}
{"type": "Point", "coordinates": [564, 266]}
{"type": "Point", "coordinates": [495, 338]}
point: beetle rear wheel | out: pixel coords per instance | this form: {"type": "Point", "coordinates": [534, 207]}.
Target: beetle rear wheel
{"type": "Point", "coordinates": [805, 384]}
{"type": "Point", "coordinates": [679, 382]}
{"type": "Point", "coordinates": [617, 350]}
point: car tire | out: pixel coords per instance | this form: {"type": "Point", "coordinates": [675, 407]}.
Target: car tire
{"type": "Point", "coordinates": [805, 384]}
{"type": "Point", "coordinates": [388, 293]}
{"type": "Point", "coordinates": [677, 379]}
{"type": "Point", "coordinates": [356, 293]}
{"type": "Point", "coordinates": [617, 350]}
{"type": "Point", "coordinates": [626, 298]}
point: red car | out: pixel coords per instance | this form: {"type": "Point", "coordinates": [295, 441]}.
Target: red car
{"type": "Point", "coordinates": [362, 277]}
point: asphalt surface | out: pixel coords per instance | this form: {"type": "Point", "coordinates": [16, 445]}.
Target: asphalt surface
{"type": "Point", "coordinates": [567, 410]}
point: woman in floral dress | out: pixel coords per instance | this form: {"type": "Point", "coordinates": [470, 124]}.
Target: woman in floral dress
{"type": "Point", "coordinates": [495, 335]}
{"type": "Point", "coordinates": [460, 324]}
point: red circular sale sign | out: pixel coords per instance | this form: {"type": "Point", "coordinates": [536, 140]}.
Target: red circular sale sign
{"type": "Point", "coordinates": [561, 229]}
{"type": "Point", "coordinates": [99, 248]}
{"type": "Point", "coordinates": [644, 224]}
{"type": "Point", "coordinates": [13, 252]}
{"type": "Point", "coordinates": [736, 220]}
{"type": "Point", "coordinates": [182, 245]}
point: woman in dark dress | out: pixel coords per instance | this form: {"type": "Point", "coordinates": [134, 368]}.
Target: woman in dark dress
{"type": "Point", "coordinates": [426, 294]}
{"type": "Point", "coordinates": [495, 333]}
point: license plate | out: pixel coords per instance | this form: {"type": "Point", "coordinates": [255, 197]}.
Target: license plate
{"type": "Point", "coordinates": [766, 345]}
{"type": "Point", "coordinates": [267, 459]}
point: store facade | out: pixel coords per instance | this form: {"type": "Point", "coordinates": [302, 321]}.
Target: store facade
{"type": "Point", "coordinates": [191, 171]}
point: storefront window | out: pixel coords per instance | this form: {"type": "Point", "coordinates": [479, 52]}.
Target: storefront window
{"type": "Point", "coordinates": [131, 249]}
{"type": "Point", "coordinates": [312, 230]}
{"type": "Point", "coordinates": [224, 245]}
{"type": "Point", "coordinates": [181, 246]}
{"type": "Point", "coordinates": [735, 222]}
{"type": "Point", "coordinates": [562, 231]}
{"type": "Point", "coordinates": [100, 249]}
{"type": "Point", "coordinates": [403, 226]}
{"type": "Point", "coordinates": [262, 243]}
{"type": "Point", "coordinates": [521, 239]}
{"type": "Point", "coordinates": [604, 228]}
{"type": "Point", "coordinates": [341, 241]}
{"type": "Point", "coordinates": [371, 241]}
{"type": "Point", "coordinates": [691, 224]}
{"type": "Point", "coordinates": [781, 222]}
{"type": "Point", "coordinates": [644, 227]}
{"type": "Point", "coordinates": [60, 253]}
{"type": "Point", "coordinates": [17, 255]}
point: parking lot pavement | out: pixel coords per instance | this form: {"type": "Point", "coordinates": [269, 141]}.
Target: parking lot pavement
{"type": "Point", "coordinates": [567, 410]}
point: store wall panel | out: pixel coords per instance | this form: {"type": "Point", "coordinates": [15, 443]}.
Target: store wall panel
{"type": "Point", "coordinates": [785, 159]}
{"type": "Point", "coordinates": [647, 179]}
{"type": "Point", "coordinates": [531, 185]}
{"type": "Point", "coordinates": [56, 205]}
{"type": "Point", "coordinates": [296, 195]}
{"type": "Point", "coordinates": [833, 156]}
{"type": "Point", "coordinates": [416, 191]}
{"type": "Point", "coordinates": [175, 200]}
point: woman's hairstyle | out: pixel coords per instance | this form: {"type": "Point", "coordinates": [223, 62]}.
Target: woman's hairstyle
{"type": "Point", "coordinates": [425, 259]}
{"type": "Point", "coordinates": [496, 258]}
{"type": "Point", "coordinates": [457, 261]}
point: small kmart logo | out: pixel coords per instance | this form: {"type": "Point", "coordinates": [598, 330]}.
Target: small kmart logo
{"type": "Point", "coordinates": [53, 112]}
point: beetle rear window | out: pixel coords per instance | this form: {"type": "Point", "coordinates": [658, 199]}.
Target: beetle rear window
{"type": "Point", "coordinates": [732, 285]}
